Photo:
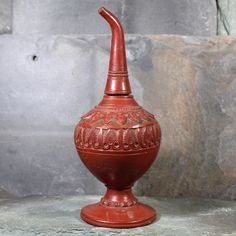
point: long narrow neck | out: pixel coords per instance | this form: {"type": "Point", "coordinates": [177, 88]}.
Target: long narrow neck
{"type": "Point", "coordinates": [117, 80]}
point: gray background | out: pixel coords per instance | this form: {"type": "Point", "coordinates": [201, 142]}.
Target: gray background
{"type": "Point", "coordinates": [53, 63]}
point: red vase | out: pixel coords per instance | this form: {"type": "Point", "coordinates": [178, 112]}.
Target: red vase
{"type": "Point", "coordinates": [117, 141]}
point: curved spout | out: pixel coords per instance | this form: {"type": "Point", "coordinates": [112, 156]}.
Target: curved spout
{"type": "Point", "coordinates": [117, 80]}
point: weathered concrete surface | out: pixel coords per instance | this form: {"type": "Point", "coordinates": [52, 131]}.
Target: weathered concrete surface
{"type": "Point", "coordinates": [5, 16]}
{"type": "Point", "coordinates": [226, 17]}
{"type": "Point", "coordinates": [137, 16]}
{"type": "Point", "coordinates": [189, 83]}
{"type": "Point", "coordinates": [60, 216]}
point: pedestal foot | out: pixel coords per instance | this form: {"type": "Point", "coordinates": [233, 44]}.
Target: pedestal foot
{"type": "Point", "coordinates": [118, 217]}
{"type": "Point", "coordinates": [117, 214]}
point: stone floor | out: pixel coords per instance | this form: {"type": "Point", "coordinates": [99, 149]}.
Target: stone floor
{"type": "Point", "coordinates": [60, 216]}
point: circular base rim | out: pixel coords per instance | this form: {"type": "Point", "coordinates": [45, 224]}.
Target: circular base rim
{"type": "Point", "coordinates": [118, 217]}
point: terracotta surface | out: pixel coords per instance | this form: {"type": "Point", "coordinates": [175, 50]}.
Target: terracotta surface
{"type": "Point", "coordinates": [117, 141]}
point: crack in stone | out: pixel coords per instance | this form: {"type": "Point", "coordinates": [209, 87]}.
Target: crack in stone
{"type": "Point", "coordinates": [221, 18]}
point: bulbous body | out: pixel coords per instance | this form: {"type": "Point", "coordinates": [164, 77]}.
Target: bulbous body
{"type": "Point", "coordinates": [118, 141]}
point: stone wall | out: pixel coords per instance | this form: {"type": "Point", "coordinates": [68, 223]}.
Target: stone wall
{"type": "Point", "coordinates": [53, 69]}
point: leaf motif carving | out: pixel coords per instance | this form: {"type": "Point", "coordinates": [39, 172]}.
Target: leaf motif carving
{"type": "Point", "coordinates": [117, 139]}
{"type": "Point", "coordinates": [132, 117]}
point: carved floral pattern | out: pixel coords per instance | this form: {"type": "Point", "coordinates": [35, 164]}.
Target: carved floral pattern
{"type": "Point", "coordinates": [118, 117]}
{"type": "Point", "coordinates": [118, 204]}
{"type": "Point", "coordinates": [117, 129]}
{"type": "Point", "coordinates": [117, 139]}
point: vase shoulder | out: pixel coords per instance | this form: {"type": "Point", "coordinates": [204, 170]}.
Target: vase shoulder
{"type": "Point", "coordinates": [117, 113]}
{"type": "Point", "coordinates": [126, 126]}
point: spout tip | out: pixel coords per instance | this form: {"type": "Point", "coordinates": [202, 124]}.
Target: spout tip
{"type": "Point", "coordinates": [101, 10]}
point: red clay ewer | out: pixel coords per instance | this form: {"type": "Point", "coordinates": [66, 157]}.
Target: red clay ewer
{"type": "Point", "coordinates": [117, 141]}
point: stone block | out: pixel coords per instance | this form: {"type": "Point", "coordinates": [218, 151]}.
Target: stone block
{"type": "Point", "coordinates": [191, 84]}
{"type": "Point", "coordinates": [137, 16]}
{"type": "Point", "coordinates": [62, 17]}
{"type": "Point", "coordinates": [171, 17]}
{"type": "Point", "coordinates": [48, 82]}
{"type": "Point", "coordinates": [226, 17]}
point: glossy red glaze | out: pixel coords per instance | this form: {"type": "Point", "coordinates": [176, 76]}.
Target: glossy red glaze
{"type": "Point", "coordinates": [117, 141]}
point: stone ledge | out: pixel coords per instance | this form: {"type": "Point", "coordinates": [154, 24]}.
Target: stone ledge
{"type": "Point", "coordinates": [60, 216]}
